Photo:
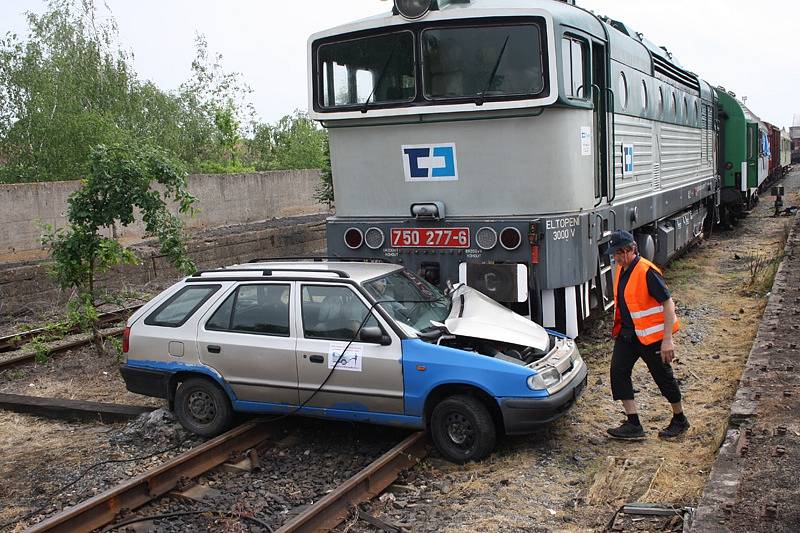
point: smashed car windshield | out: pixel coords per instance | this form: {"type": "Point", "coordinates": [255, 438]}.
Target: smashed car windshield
{"type": "Point", "coordinates": [409, 299]}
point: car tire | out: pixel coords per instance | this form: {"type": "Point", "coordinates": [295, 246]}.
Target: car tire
{"type": "Point", "coordinates": [202, 407]}
{"type": "Point", "coordinates": [462, 429]}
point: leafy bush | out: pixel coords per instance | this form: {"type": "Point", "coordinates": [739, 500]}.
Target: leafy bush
{"type": "Point", "coordinates": [121, 181]}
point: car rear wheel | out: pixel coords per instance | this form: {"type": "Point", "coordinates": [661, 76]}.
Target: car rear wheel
{"type": "Point", "coordinates": [202, 407]}
{"type": "Point", "coordinates": [462, 429]}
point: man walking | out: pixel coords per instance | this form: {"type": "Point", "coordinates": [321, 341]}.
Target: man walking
{"type": "Point", "coordinates": [644, 321]}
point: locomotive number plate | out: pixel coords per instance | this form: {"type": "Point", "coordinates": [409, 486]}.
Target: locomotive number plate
{"type": "Point", "coordinates": [430, 238]}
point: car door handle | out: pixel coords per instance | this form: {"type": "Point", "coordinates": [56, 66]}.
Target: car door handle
{"type": "Point", "coordinates": [317, 359]}
{"type": "Point", "coordinates": [213, 348]}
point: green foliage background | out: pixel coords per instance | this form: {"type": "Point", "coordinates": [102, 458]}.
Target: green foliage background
{"type": "Point", "coordinates": [69, 86]}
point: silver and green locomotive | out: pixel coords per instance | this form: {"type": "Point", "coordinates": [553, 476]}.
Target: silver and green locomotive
{"type": "Point", "coordinates": [500, 142]}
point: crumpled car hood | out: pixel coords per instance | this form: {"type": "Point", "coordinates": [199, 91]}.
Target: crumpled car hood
{"type": "Point", "coordinates": [483, 318]}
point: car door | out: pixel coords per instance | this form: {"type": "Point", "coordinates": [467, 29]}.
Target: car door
{"type": "Point", "coordinates": [250, 338]}
{"type": "Point", "coordinates": [368, 377]}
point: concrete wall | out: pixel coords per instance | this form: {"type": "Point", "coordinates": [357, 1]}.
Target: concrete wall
{"type": "Point", "coordinates": [27, 287]}
{"type": "Point", "coordinates": [222, 200]}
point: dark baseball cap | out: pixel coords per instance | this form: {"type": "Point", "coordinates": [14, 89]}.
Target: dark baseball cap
{"type": "Point", "coordinates": [619, 240]}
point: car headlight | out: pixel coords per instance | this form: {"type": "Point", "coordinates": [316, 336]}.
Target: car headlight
{"type": "Point", "coordinates": [545, 378]}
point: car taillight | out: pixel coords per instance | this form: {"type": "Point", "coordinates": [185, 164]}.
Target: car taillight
{"type": "Point", "coordinates": [353, 238]}
{"type": "Point", "coordinates": [126, 340]}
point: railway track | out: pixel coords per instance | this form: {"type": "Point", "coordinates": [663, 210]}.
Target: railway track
{"type": "Point", "coordinates": [243, 441]}
{"type": "Point", "coordinates": [15, 342]}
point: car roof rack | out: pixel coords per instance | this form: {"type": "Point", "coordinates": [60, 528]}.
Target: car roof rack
{"type": "Point", "coordinates": [321, 258]}
{"type": "Point", "coordinates": [267, 272]}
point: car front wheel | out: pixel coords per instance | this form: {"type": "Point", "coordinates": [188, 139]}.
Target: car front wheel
{"type": "Point", "coordinates": [202, 407]}
{"type": "Point", "coordinates": [462, 429]}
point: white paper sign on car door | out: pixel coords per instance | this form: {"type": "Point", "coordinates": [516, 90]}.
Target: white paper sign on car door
{"type": "Point", "coordinates": [351, 360]}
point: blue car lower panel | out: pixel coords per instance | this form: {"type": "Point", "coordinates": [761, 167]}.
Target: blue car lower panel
{"type": "Point", "coordinates": [386, 419]}
{"type": "Point", "coordinates": [137, 372]}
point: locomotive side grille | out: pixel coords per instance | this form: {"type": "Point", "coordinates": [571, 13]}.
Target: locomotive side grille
{"type": "Point", "coordinates": [678, 75]}
{"type": "Point", "coordinates": [656, 176]}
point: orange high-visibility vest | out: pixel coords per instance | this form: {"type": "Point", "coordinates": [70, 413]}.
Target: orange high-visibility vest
{"type": "Point", "coordinates": [647, 313]}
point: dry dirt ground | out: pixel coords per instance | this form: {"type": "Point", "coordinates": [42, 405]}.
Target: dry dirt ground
{"type": "Point", "coordinates": [572, 476]}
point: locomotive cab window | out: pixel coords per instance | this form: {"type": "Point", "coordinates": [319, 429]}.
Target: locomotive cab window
{"type": "Point", "coordinates": [644, 96]}
{"type": "Point", "coordinates": [623, 91]}
{"type": "Point", "coordinates": [482, 62]}
{"type": "Point", "coordinates": [367, 71]}
{"type": "Point", "coordinates": [573, 53]}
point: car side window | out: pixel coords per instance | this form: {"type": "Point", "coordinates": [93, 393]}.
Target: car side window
{"type": "Point", "coordinates": [333, 312]}
{"type": "Point", "coordinates": [261, 309]}
{"type": "Point", "coordinates": [180, 306]}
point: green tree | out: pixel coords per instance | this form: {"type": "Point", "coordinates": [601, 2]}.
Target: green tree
{"type": "Point", "coordinates": [120, 181]}
{"type": "Point", "coordinates": [218, 105]}
{"type": "Point", "coordinates": [60, 92]}
{"type": "Point", "coordinates": [294, 142]}
{"type": "Point", "coordinates": [323, 193]}
{"type": "Point", "coordinates": [69, 86]}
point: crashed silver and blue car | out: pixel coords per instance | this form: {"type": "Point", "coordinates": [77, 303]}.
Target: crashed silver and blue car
{"type": "Point", "coordinates": [358, 341]}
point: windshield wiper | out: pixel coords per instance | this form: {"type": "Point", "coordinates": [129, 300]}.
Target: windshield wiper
{"type": "Point", "coordinates": [379, 80]}
{"type": "Point", "coordinates": [482, 94]}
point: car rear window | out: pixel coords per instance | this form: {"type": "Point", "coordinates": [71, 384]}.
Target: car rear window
{"type": "Point", "coordinates": [180, 306]}
{"type": "Point", "coordinates": [262, 309]}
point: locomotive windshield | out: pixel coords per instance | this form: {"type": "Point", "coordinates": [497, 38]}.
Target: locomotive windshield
{"type": "Point", "coordinates": [457, 63]}
{"type": "Point", "coordinates": [482, 62]}
{"type": "Point", "coordinates": [368, 71]}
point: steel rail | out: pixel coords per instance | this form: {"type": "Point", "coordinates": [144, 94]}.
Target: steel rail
{"type": "Point", "coordinates": [28, 357]}
{"type": "Point", "coordinates": [334, 507]}
{"type": "Point", "coordinates": [103, 508]}
{"type": "Point", "coordinates": [13, 342]}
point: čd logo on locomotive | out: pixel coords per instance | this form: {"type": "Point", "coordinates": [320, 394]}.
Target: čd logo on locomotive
{"type": "Point", "coordinates": [430, 162]}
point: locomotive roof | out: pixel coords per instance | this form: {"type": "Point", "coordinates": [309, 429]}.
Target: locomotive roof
{"type": "Point", "coordinates": [625, 45]}
{"type": "Point", "coordinates": [563, 12]}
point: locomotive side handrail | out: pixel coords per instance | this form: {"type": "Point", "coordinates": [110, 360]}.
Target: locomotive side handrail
{"type": "Point", "coordinates": [599, 91]}
{"type": "Point", "coordinates": [613, 168]}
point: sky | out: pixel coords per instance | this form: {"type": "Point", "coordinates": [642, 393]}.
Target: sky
{"type": "Point", "coordinates": [742, 45]}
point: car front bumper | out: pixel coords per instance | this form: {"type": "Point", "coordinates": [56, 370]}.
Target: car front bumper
{"type": "Point", "coordinates": [524, 415]}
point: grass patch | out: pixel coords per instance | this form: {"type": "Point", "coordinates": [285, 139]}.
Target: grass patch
{"type": "Point", "coordinates": [682, 271]}
{"type": "Point", "coordinates": [761, 268]}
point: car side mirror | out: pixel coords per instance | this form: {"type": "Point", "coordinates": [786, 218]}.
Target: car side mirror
{"type": "Point", "coordinates": [374, 335]}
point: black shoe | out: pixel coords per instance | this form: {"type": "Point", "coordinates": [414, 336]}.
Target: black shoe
{"type": "Point", "coordinates": [675, 428]}
{"type": "Point", "coordinates": [627, 431]}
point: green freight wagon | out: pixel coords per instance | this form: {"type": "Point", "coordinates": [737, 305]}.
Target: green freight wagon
{"type": "Point", "coordinates": [734, 135]}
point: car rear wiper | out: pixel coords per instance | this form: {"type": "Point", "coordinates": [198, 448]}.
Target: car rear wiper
{"type": "Point", "coordinates": [482, 94]}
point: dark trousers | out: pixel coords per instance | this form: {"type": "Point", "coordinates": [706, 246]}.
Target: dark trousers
{"type": "Point", "coordinates": [628, 350]}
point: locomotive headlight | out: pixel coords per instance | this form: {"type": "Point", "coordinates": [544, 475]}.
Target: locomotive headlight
{"type": "Point", "coordinates": [486, 238]}
{"type": "Point", "coordinates": [353, 238]}
{"type": "Point", "coordinates": [510, 238]}
{"type": "Point", "coordinates": [412, 9]}
{"type": "Point", "coordinates": [374, 238]}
